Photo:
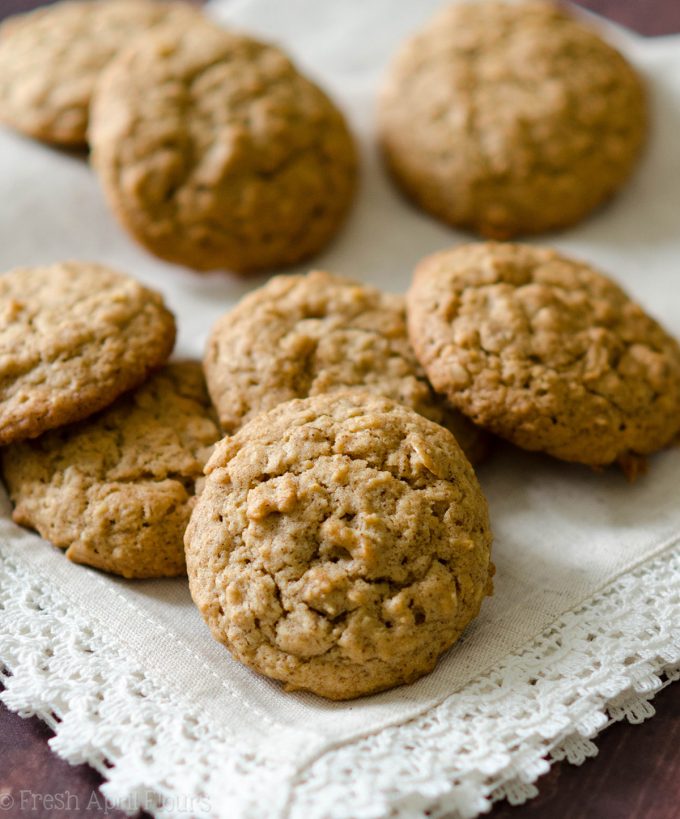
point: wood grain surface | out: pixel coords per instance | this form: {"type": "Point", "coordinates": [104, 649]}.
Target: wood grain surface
{"type": "Point", "coordinates": [636, 774]}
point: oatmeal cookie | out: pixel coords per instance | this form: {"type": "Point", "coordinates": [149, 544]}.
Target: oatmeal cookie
{"type": "Point", "coordinates": [74, 336]}
{"type": "Point", "coordinates": [216, 153]}
{"type": "Point", "coordinates": [50, 60]}
{"type": "Point", "coordinates": [116, 491]}
{"type": "Point", "coordinates": [340, 545]}
{"type": "Point", "coordinates": [546, 352]}
{"type": "Point", "coordinates": [306, 335]}
{"type": "Point", "coordinates": [510, 118]}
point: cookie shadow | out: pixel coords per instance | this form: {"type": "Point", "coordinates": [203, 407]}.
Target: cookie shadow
{"type": "Point", "coordinates": [76, 153]}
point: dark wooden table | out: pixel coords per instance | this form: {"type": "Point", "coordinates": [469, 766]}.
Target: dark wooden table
{"type": "Point", "coordinates": [636, 774]}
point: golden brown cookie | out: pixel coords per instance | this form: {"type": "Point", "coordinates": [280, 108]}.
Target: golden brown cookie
{"type": "Point", "coordinates": [546, 352]}
{"type": "Point", "coordinates": [306, 335]}
{"type": "Point", "coordinates": [116, 491]}
{"type": "Point", "coordinates": [73, 337]}
{"type": "Point", "coordinates": [216, 153]}
{"type": "Point", "coordinates": [510, 118]}
{"type": "Point", "coordinates": [340, 545]}
{"type": "Point", "coordinates": [51, 58]}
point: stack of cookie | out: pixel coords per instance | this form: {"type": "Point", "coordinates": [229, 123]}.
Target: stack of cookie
{"type": "Point", "coordinates": [213, 150]}
{"type": "Point", "coordinates": [340, 541]}
{"type": "Point", "coordinates": [104, 441]}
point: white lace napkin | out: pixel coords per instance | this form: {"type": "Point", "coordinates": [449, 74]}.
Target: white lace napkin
{"type": "Point", "coordinates": [585, 624]}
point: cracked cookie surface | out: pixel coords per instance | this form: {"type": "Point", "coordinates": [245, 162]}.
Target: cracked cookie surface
{"type": "Point", "coordinates": [74, 336]}
{"type": "Point", "coordinates": [51, 58]}
{"type": "Point", "coordinates": [216, 153]}
{"type": "Point", "coordinates": [510, 118]}
{"type": "Point", "coordinates": [116, 491]}
{"type": "Point", "coordinates": [300, 336]}
{"type": "Point", "coordinates": [340, 545]}
{"type": "Point", "coordinates": [545, 351]}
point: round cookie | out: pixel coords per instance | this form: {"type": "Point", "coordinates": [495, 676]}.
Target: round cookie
{"type": "Point", "coordinates": [300, 336]}
{"type": "Point", "coordinates": [510, 118]}
{"type": "Point", "coordinates": [340, 544]}
{"type": "Point", "coordinates": [116, 491]}
{"type": "Point", "coordinates": [216, 153]}
{"type": "Point", "coordinates": [546, 352]}
{"type": "Point", "coordinates": [50, 60]}
{"type": "Point", "coordinates": [74, 336]}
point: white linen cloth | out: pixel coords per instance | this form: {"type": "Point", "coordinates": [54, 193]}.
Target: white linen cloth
{"type": "Point", "coordinates": [584, 626]}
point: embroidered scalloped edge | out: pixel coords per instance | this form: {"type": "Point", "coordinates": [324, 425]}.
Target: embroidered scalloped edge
{"type": "Point", "coordinates": [599, 663]}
